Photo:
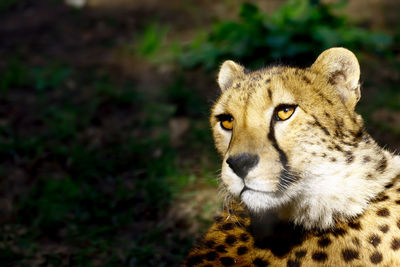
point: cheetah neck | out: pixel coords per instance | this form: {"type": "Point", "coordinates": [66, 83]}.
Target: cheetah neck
{"type": "Point", "coordinates": [334, 192]}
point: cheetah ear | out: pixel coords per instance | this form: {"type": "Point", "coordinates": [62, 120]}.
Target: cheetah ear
{"type": "Point", "coordinates": [227, 73]}
{"type": "Point", "coordinates": [341, 68]}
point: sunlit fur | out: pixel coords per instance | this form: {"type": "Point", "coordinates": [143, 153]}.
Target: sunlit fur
{"type": "Point", "coordinates": [331, 161]}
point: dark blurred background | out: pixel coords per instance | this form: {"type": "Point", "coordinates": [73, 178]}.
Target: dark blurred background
{"type": "Point", "coordinates": [106, 157]}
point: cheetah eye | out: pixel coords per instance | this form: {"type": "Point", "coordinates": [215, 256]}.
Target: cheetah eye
{"type": "Point", "coordinates": [284, 112]}
{"type": "Point", "coordinates": [226, 121]}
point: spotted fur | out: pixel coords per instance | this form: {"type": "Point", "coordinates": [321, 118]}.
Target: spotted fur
{"type": "Point", "coordinates": [314, 189]}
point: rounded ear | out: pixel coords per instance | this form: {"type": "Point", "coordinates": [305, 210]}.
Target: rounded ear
{"type": "Point", "coordinates": [228, 71]}
{"type": "Point", "coordinates": [340, 67]}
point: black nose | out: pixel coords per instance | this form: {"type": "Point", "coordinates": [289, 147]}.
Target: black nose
{"type": "Point", "coordinates": [241, 164]}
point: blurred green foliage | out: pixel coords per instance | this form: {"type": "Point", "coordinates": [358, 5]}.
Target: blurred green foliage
{"type": "Point", "coordinates": [295, 33]}
{"type": "Point", "coordinates": [152, 40]}
{"type": "Point", "coordinates": [94, 189]}
{"type": "Point", "coordinates": [16, 74]}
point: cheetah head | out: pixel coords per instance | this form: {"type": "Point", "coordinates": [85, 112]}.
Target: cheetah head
{"type": "Point", "coordinates": [285, 133]}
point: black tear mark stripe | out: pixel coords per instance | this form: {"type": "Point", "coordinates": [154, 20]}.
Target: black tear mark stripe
{"type": "Point", "coordinates": [285, 174]}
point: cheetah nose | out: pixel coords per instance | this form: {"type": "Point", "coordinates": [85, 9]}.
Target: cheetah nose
{"type": "Point", "coordinates": [241, 164]}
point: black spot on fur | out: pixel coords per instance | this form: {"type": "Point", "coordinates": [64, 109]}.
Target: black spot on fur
{"type": "Point", "coordinates": [268, 80]}
{"type": "Point", "coordinates": [348, 143]}
{"type": "Point", "coordinates": [242, 250]}
{"type": "Point", "coordinates": [376, 257]}
{"type": "Point", "coordinates": [212, 255]}
{"type": "Point", "coordinates": [319, 256]}
{"type": "Point", "coordinates": [397, 202]}
{"type": "Point", "coordinates": [269, 93]}
{"type": "Point", "coordinates": [374, 240]}
{"type": "Point", "coordinates": [243, 214]}
{"type": "Point", "coordinates": [384, 228]}
{"type": "Point", "coordinates": [293, 263]}
{"type": "Point", "coordinates": [230, 239]}
{"type": "Point", "coordinates": [349, 255]}
{"type": "Point", "coordinates": [324, 97]}
{"type": "Point", "coordinates": [390, 185]}
{"type": "Point", "coordinates": [244, 237]}
{"type": "Point", "coordinates": [395, 245]}
{"type": "Point", "coordinates": [256, 77]}
{"type": "Point", "coordinates": [349, 157]}
{"type": "Point", "coordinates": [382, 165]}
{"type": "Point", "coordinates": [384, 212]}
{"type": "Point", "coordinates": [356, 241]}
{"type": "Point", "coordinates": [332, 159]}
{"type": "Point", "coordinates": [280, 240]}
{"type": "Point", "coordinates": [209, 243]}
{"type": "Point", "coordinates": [221, 248]}
{"type": "Point", "coordinates": [227, 226]}
{"type": "Point", "coordinates": [306, 79]}
{"type": "Point", "coordinates": [324, 242]}
{"type": "Point", "coordinates": [358, 134]}
{"type": "Point", "coordinates": [260, 263]}
{"type": "Point", "coordinates": [355, 225]}
{"type": "Point", "coordinates": [366, 159]}
{"type": "Point", "coordinates": [327, 115]}
{"type": "Point", "coordinates": [227, 261]}
{"type": "Point", "coordinates": [317, 123]}
{"type": "Point", "coordinates": [237, 86]}
{"type": "Point", "coordinates": [323, 155]}
{"type": "Point", "coordinates": [367, 140]}
{"type": "Point", "coordinates": [380, 197]}
{"type": "Point", "coordinates": [300, 254]}
{"type": "Point", "coordinates": [338, 148]}
{"type": "Point", "coordinates": [339, 232]}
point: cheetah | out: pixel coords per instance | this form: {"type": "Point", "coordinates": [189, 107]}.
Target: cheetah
{"type": "Point", "coordinates": [306, 184]}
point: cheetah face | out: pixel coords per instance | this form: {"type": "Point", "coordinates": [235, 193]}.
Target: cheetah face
{"type": "Point", "coordinates": [278, 129]}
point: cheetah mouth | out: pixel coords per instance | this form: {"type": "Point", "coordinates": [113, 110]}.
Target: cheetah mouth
{"type": "Point", "coordinates": [246, 188]}
{"type": "Point", "coordinates": [259, 201]}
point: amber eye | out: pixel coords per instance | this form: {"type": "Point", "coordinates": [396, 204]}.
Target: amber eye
{"type": "Point", "coordinates": [284, 112]}
{"type": "Point", "coordinates": [226, 121]}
